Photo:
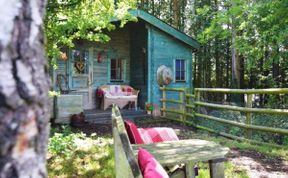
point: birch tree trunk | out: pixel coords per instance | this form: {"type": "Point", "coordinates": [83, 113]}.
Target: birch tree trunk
{"type": "Point", "coordinates": [24, 84]}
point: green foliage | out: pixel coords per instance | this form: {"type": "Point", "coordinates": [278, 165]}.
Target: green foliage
{"type": "Point", "coordinates": [231, 171]}
{"type": "Point", "coordinates": [70, 20]}
{"type": "Point", "coordinates": [228, 115]}
{"type": "Point", "coordinates": [78, 155]}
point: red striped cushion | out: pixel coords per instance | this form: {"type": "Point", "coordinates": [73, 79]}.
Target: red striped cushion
{"type": "Point", "coordinates": [133, 133]}
{"type": "Point", "coordinates": [157, 134]}
{"type": "Point", "coordinates": [149, 166]}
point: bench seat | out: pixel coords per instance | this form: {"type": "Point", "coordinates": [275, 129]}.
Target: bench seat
{"type": "Point", "coordinates": [166, 153]}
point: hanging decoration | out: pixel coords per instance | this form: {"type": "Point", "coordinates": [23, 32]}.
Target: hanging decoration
{"type": "Point", "coordinates": [164, 75]}
{"type": "Point", "coordinates": [101, 56]}
{"type": "Point", "coordinates": [63, 56]}
{"type": "Point", "coordinates": [80, 66]}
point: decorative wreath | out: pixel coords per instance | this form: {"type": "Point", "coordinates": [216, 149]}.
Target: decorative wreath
{"type": "Point", "coordinates": [100, 56]}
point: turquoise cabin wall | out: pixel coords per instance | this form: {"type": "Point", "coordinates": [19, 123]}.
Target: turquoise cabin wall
{"type": "Point", "coordinates": [117, 47]}
{"type": "Point", "coordinates": [164, 50]}
{"type": "Point", "coordinates": [128, 43]}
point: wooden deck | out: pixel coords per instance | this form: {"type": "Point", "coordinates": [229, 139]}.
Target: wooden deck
{"type": "Point", "coordinates": [102, 117]}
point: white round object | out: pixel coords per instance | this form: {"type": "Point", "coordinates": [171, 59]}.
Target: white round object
{"type": "Point", "coordinates": [164, 75]}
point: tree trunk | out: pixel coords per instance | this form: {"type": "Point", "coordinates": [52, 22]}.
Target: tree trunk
{"type": "Point", "coordinates": [24, 84]}
{"type": "Point", "coordinates": [176, 13]}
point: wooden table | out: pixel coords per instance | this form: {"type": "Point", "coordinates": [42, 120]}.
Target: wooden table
{"type": "Point", "coordinates": [189, 152]}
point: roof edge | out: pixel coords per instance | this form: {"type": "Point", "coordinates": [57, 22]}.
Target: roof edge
{"type": "Point", "coordinates": [165, 27]}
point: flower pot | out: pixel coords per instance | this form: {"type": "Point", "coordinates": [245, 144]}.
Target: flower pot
{"type": "Point", "coordinates": [149, 112]}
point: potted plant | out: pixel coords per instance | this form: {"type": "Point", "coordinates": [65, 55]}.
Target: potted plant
{"type": "Point", "coordinates": [149, 107]}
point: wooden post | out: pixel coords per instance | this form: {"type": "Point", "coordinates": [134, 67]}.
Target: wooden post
{"type": "Point", "coordinates": [182, 105]}
{"type": "Point", "coordinates": [249, 115]}
{"type": "Point", "coordinates": [189, 169]}
{"type": "Point", "coordinates": [163, 102]}
{"type": "Point", "coordinates": [216, 168]}
{"type": "Point", "coordinates": [197, 98]}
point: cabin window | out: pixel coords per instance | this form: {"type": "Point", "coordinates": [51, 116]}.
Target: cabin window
{"type": "Point", "coordinates": [116, 70]}
{"type": "Point", "coordinates": [180, 70]}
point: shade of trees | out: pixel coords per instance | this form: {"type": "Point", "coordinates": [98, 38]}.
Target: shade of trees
{"type": "Point", "coordinates": [244, 42]}
{"type": "Point", "coordinates": [69, 20]}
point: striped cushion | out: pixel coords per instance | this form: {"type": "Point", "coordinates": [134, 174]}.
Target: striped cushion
{"type": "Point", "coordinates": [157, 134]}
{"type": "Point", "coordinates": [133, 133]}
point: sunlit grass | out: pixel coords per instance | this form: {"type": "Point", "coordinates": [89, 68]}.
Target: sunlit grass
{"type": "Point", "coordinates": [91, 156]}
{"type": "Point", "coordinates": [231, 171]}
{"type": "Point", "coordinates": [269, 151]}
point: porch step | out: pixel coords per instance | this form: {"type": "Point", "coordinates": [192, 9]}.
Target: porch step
{"type": "Point", "coordinates": [99, 116]}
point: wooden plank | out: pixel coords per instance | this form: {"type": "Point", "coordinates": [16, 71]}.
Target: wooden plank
{"type": "Point", "coordinates": [170, 101]}
{"type": "Point", "coordinates": [245, 91]}
{"type": "Point", "coordinates": [184, 151]}
{"type": "Point", "coordinates": [243, 109]}
{"type": "Point", "coordinates": [189, 169]}
{"type": "Point", "coordinates": [248, 120]}
{"type": "Point", "coordinates": [252, 127]}
{"type": "Point", "coordinates": [190, 95]}
{"type": "Point", "coordinates": [225, 134]}
{"type": "Point", "coordinates": [216, 168]}
{"type": "Point", "coordinates": [163, 103]}
{"type": "Point", "coordinates": [181, 99]}
{"type": "Point", "coordinates": [172, 89]}
{"type": "Point", "coordinates": [124, 158]}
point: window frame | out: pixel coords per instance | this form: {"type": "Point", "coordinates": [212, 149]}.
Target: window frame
{"type": "Point", "coordinates": [175, 71]}
{"type": "Point", "coordinates": [122, 69]}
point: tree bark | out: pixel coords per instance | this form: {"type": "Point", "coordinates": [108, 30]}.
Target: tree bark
{"type": "Point", "coordinates": [176, 13]}
{"type": "Point", "coordinates": [24, 84]}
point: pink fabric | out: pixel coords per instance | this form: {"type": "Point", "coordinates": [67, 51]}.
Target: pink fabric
{"type": "Point", "coordinates": [149, 166]}
{"type": "Point", "coordinates": [115, 89]}
{"type": "Point", "coordinates": [157, 134]}
{"type": "Point", "coordinates": [100, 92]}
{"type": "Point", "coordinates": [133, 133]}
{"type": "Point", "coordinates": [127, 90]}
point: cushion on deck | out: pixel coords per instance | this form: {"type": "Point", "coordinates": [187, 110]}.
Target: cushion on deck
{"type": "Point", "coordinates": [149, 166]}
{"type": "Point", "coordinates": [133, 133]}
{"type": "Point", "coordinates": [157, 134]}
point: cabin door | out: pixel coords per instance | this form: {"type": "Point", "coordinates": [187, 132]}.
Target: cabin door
{"type": "Point", "coordinates": [81, 75]}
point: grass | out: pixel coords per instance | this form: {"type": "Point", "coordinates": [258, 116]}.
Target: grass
{"type": "Point", "coordinates": [79, 155]}
{"type": "Point", "coordinates": [231, 171]}
{"type": "Point", "coordinates": [272, 152]}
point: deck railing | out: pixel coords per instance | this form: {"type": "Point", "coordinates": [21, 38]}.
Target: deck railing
{"type": "Point", "coordinates": [190, 102]}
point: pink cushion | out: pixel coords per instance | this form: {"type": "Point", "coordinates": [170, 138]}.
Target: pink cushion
{"type": "Point", "coordinates": [157, 134]}
{"type": "Point", "coordinates": [149, 166]}
{"type": "Point", "coordinates": [133, 133]}
{"type": "Point", "coordinates": [115, 89]}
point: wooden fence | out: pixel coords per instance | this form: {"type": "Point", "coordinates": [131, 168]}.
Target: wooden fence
{"type": "Point", "coordinates": [189, 104]}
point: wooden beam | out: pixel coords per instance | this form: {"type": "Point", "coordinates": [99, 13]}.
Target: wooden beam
{"type": "Point", "coordinates": [237, 124]}
{"type": "Point", "coordinates": [243, 109]}
{"type": "Point", "coordinates": [245, 91]}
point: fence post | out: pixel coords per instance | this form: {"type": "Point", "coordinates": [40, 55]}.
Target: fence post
{"type": "Point", "coordinates": [163, 101]}
{"type": "Point", "coordinates": [183, 105]}
{"type": "Point", "coordinates": [197, 98]}
{"type": "Point", "coordinates": [249, 115]}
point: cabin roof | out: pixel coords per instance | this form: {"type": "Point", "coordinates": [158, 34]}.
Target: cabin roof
{"type": "Point", "coordinates": [166, 28]}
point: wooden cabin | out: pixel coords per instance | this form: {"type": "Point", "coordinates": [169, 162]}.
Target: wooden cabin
{"type": "Point", "coordinates": [131, 57]}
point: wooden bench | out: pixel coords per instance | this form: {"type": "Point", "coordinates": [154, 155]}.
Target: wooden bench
{"type": "Point", "coordinates": [188, 152]}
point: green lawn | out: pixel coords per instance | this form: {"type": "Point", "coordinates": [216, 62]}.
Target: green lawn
{"type": "Point", "coordinates": [79, 155]}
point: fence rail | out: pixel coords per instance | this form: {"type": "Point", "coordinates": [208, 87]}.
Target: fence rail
{"type": "Point", "coordinates": [190, 102]}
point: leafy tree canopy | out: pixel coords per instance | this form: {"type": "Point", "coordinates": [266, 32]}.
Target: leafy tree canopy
{"type": "Point", "coordinates": [69, 20]}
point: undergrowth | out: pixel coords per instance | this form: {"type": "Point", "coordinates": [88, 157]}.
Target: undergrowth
{"type": "Point", "coordinates": [78, 155]}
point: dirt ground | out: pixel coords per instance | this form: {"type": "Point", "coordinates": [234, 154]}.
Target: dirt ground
{"type": "Point", "coordinates": [256, 164]}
